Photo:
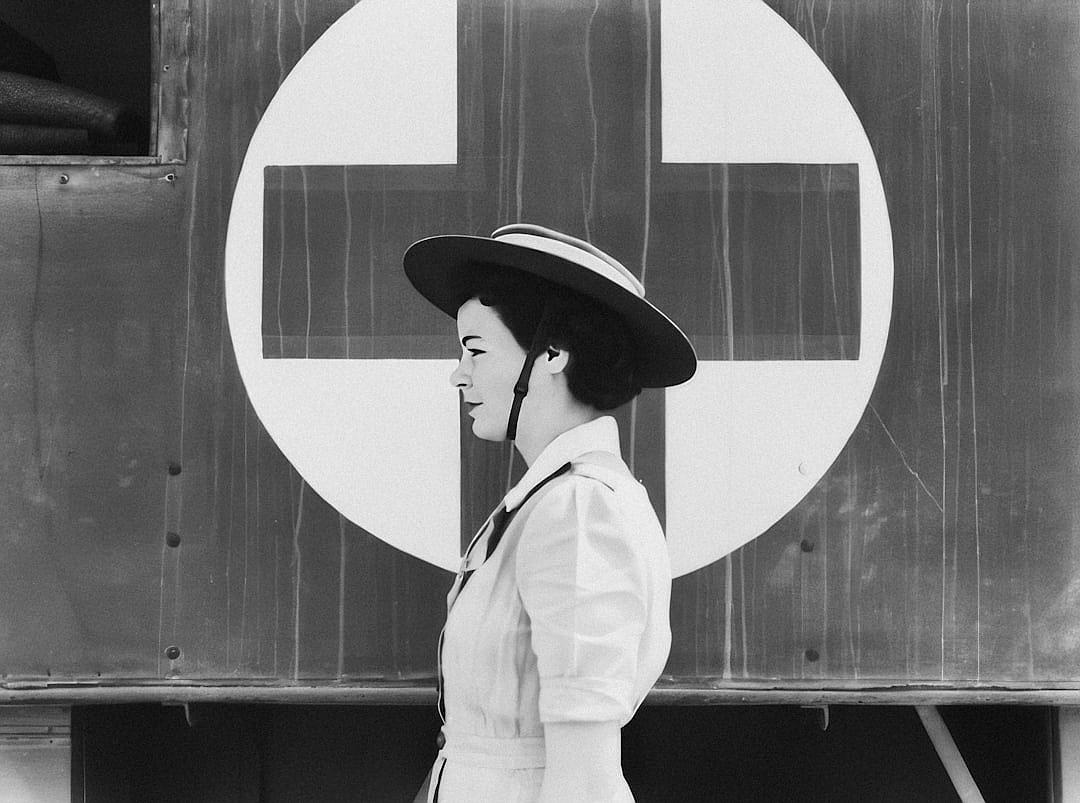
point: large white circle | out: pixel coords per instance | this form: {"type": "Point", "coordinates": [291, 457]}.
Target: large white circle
{"type": "Point", "coordinates": [745, 441]}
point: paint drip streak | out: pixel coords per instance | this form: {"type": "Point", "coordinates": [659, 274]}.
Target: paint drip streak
{"type": "Point", "coordinates": [341, 596]}
{"type": "Point", "coordinates": [297, 575]}
{"type": "Point", "coordinates": [307, 260]}
{"type": "Point", "coordinates": [348, 254]}
{"type": "Point", "coordinates": [971, 363]}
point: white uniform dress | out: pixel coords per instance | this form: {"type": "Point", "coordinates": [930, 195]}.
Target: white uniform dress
{"type": "Point", "coordinates": [566, 621]}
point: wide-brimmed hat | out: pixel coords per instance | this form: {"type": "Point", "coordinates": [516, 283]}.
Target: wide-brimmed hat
{"type": "Point", "coordinates": [448, 268]}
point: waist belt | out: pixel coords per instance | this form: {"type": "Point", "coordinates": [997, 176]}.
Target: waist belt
{"type": "Point", "coordinates": [515, 753]}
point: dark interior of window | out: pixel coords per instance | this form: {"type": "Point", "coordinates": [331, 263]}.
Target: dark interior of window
{"type": "Point", "coordinates": [75, 77]}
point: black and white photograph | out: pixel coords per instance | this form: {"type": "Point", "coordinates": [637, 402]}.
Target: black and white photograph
{"type": "Point", "coordinates": [585, 401]}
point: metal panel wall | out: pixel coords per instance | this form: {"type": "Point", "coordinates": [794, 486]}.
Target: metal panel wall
{"type": "Point", "coordinates": [143, 507]}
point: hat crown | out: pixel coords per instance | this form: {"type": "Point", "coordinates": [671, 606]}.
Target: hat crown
{"type": "Point", "coordinates": [572, 249]}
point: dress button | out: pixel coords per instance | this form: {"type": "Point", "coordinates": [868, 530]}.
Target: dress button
{"type": "Point", "coordinates": [440, 740]}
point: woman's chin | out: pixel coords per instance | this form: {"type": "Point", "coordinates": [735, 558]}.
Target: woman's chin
{"type": "Point", "coordinates": [488, 433]}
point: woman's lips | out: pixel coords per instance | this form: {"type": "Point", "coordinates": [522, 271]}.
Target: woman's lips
{"type": "Point", "coordinates": [470, 406]}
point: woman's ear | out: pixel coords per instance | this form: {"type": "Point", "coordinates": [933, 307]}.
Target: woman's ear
{"type": "Point", "coordinates": [556, 360]}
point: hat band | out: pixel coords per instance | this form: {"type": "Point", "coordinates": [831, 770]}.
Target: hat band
{"type": "Point", "coordinates": [576, 255]}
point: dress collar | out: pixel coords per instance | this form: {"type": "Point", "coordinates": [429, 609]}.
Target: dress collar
{"type": "Point", "coordinates": [599, 435]}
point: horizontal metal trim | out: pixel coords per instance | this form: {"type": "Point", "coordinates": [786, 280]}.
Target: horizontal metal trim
{"type": "Point", "coordinates": [374, 694]}
{"type": "Point", "coordinates": [107, 161]}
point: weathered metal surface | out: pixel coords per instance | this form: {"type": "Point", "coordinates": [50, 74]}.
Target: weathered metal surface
{"type": "Point", "coordinates": [943, 545]}
{"type": "Point", "coordinates": [172, 31]}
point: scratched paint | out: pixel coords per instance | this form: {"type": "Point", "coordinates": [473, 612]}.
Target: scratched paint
{"type": "Point", "coordinates": [941, 546]}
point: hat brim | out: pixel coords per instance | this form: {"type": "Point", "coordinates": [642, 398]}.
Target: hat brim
{"type": "Point", "coordinates": [446, 270]}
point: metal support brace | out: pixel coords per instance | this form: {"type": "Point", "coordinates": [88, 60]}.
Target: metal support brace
{"type": "Point", "coordinates": [1067, 754]}
{"type": "Point", "coordinates": [949, 754]}
{"type": "Point", "coordinates": [823, 715]}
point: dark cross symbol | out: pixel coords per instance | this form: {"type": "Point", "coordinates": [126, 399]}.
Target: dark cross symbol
{"type": "Point", "coordinates": [559, 124]}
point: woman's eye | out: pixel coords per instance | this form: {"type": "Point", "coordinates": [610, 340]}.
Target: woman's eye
{"type": "Point", "coordinates": [475, 352]}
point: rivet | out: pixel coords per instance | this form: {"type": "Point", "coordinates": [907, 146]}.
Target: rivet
{"type": "Point", "coordinates": [174, 469]}
{"type": "Point", "coordinates": [170, 176]}
{"type": "Point", "coordinates": [172, 653]}
{"type": "Point", "coordinates": [811, 655]}
{"type": "Point", "coordinates": [806, 546]}
{"type": "Point", "coordinates": [804, 469]}
{"type": "Point", "coordinates": [64, 178]}
{"type": "Point", "coordinates": [172, 538]}
{"type": "Point", "coordinates": [165, 67]}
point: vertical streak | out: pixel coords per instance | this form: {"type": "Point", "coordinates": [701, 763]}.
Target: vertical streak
{"type": "Point", "coordinates": [742, 610]}
{"type": "Point", "coordinates": [714, 267]}
{"type": "Point", "coordinates": [503, 92]}
{"type": "Point", "coordinates": [280, 48]}
{"type": "Point", "coordinates": [161, 590]}
{"type": "Point", "coordinates": [193, 208]}
{"type": "Point", "coordinates": [229, 535]}
{"type": "Point", "coordinates": [281, 259]}
{"type": "Point", "coordinates": [307, 260]}
{"type": "Point", "coordinates": [296, 580]}
{"type": "Point", "coordinates": [244, 587]}
{"type": "Point", "coordinates": [647, 223]}
{"type": "Point", "coordinates": [763, 659]}
{"type": "Point", "coordinates": [800, 340]}
{"type": "Point", "coordinates": [956, 326]}
{"type": "Point", "coordinates": [348, 252]}
{"type": "Point", "coordinates": [917, 579]}
{"type": "Point", "coordinates": [277, 595]}
{"type": "Point", "coordinates": [725, 228]}
{"type": "Point", "coordinates": [971, 373]}
{"type": "Point", "coordinates": [341, 597]}
{"type": "Point", "coordinates": [177, 593]}
{"type": "Point", "coordinates": [1027, 563]}
{"type": "Point", "coordinates": [371, 269]}
{"type": "Point", "coordinates": [832, 259]}
{"type": "Point", "coordinates": [300, 12]}
{"type": "Point", "coordinates": [909, 616]}
{"type": "Point", "coordinates": [260, 540]}
{"type": "Point", "coordinates": [519, 189]}
{"type": "Point", "coordinates": [729, 610]}
{"type": "Point", "coordinates": [395, 616]}
{"type": "Point", "coordinates": [590, 211]}
{"type": "Point", "coordinates": [647, 192]}
{"type": "Point", "coordinates": [930, 56]}
{"type": "Point", "coordinates": [585, 208]}
{"type": "Point", "coordinates": [850, 600]}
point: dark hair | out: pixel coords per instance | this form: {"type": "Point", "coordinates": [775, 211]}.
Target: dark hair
{"type": "Point", "coordinates": [602, 371]}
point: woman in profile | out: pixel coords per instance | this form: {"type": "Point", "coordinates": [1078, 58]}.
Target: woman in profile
{"type": "Point", "coordinates": [557, 622]}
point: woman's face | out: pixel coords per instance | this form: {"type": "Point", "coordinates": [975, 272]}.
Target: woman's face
{"type": "Point", "coordinates": [491, 361]}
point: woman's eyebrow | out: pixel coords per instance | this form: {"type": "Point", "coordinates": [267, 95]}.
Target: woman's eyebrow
{"type": "Point", "coordinates": [465, 340]}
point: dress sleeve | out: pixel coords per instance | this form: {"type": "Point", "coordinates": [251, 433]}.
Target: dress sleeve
{"type": "Point", "coordinates": [582, 582]}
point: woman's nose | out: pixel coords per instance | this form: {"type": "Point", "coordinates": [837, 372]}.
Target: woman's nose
{"type": "Point", "coordinates": [459, 378]}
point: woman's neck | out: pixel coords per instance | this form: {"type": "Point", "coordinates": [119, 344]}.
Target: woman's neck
{"type": "Point", "coordinates": [533, 438]}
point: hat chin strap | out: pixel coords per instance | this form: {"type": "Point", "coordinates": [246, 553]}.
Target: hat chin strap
{"type": "Point", "coordinates": [521, 387]}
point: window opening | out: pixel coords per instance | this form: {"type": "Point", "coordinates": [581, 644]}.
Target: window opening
{"type": "Point", "coordinates": [81, 82]}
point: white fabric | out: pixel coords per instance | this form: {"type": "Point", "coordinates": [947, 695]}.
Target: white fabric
{"type": "Point", "coordinates": [566, 621]}
{"type": "Point", "coordinates": [571, 253]}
